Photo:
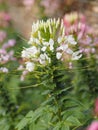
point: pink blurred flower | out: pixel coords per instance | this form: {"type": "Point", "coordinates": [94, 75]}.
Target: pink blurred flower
{"type": "Point", "coordinates": [93, 126]}
{"type": "Point", "coordinates": [4, 19]}
{"type": "Point", "coordinates": [75, 23]}
{"type": "Point", "coordinates": [11, 42]}
{"type": "Point", "coordinates": [2, 35]}
{"type": "Point", "coordinates": [51, 6]}
{"type": "Point", "coordinates": [28, 2]}
{"type": "Point", "coordinates": [96, 107]}
{"type": "Point", "coordinates": [6, 16]}
{"type": "Point", "coordinates": [2, 51]}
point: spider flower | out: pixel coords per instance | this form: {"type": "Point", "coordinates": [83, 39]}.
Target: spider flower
{"type": "Point", "coordinates": [47, 44]}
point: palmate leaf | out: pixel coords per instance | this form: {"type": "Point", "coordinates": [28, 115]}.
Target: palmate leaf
{"type": "Point", "coordinates": [43, 122]}
{"type": "Point", "coordinates": [36, 118]}
{"type": "Point", "coordinates": [25, 121]}
{"type": "Point", "coordinates": [74, 121]}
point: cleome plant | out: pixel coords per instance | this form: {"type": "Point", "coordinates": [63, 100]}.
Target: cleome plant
{"type": "Point", "coordinates": [46, 58]}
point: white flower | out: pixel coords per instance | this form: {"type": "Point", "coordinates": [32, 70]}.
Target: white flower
{"type": "Point", "coordinates": [70, 39]}
{"type": "Point", "coordinates": [42, 61]}
{"type": "Point", "coordinates": [58, 55]}
{"type": "Point", "coordinates": [45, 43]}
{"type": "Point", "coordinates": [43, 48]}
{"type": "Point", "coordinates": [44, 58]}
{"type": "Point", "coordinates": [76, 55]}
{"type": "Point", "coordinates": [59, 40]}
{"type": "Point", "coordinates": [30, 41]}
{"type": "Point", "coordinates": [63, 47]}
{"type": "Point", "coordinates": [30, 66]}
{"type": "Point", "coordinates": [24, 54]}
{"type": "Point", "coordinates": [29, 52]}
{"type": "Point", "coordinates": [51, 43]}
{"type": "Point", "coordinates": [33, 40]}
{"type": "Point", "coordinates": [69, 51]}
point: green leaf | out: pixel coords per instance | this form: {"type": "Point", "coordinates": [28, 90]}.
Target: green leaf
{"type": "Point", "coordinates": [58, 126]}
{"type": "Point", "coordinates": [74, 121]}
{"type": "Point", "coordinates": [25, 121]}
{"type": "Point", "coordinates": [65, 127]}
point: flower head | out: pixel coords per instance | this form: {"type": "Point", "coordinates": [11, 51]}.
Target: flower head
{"type": "Point", "coordinates": [48, 42]}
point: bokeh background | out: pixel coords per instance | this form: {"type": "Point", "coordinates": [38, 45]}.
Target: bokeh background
{"type": "Point", "coordinates": [24, 12]}
{"type": "Point", "coordinates": [17, 94]}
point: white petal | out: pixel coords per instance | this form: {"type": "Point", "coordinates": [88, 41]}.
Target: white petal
{"type": "Point", "coordinates": [51, 42]}
{"type": "Point", "coordinates": [70, 39]}
{"type": "Point", "coordinates": [23, 54]}
{"type": "Point", "coordinates": [37, 41]}
{"type": "Point", "coordinates": [42, 56]}
{"type": "Point", "coordinates": [46, 56]}
{"type": "Point", "coordinates": [69, 51]}
{"type": "Point", "coordinates": [76, 55]}
{"type": "Point", "coordinates": [43, 48]}
{"type": "Point", "coordinates": [65, 46]}
{"type": "Point", "coordinates": [59, 39]}
{"type": "Point", "coordinates": [49, 60]}
{"type": "Point", "coordinates": [42, 61]}
{"type": "Point", "coordinates": [58, 55]}
{"type": "Point", "coordinates": [45, 43]}
{"type": "Point", "coordinates": [30, 66]}
{"type": "Point", "coordinates": [51, 48]}
{"type": "Point", "coordinates": [73, 42]}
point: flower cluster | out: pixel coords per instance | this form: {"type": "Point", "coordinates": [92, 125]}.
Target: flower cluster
{"type": "Point", "coordinates": [76, 24]}
{"type": "Point", "coordinates": [6, 53]}
{"type": "Point", "coordinates": [5, 56]}
{"type": "Point", "coordinates": [48, 42]}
